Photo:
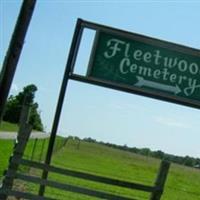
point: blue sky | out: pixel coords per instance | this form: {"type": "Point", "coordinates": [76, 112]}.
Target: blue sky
{"type": "Point", "coordinates": [96, 112]}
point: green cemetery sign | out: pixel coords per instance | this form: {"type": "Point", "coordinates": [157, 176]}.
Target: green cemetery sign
{"type": "Point", "coordinates": [151, 65]}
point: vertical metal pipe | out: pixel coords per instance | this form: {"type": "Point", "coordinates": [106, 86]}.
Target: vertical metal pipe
{"type": "Point", "coordinates": [70, 63]}
{"type": "Point", "coordinates": [14, 51]}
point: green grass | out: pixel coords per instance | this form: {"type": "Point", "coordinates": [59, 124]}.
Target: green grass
{"type": "Point", "coordinates": [6, 149]}
{"type": "Point", "coordinates": [7, 126]}
{"type": "Point", "coordinates": [5, 152]}
{"type": "Point", "coordinates": [182, 184]}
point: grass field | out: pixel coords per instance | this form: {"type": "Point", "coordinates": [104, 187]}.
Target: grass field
{"type": "Point", "coordinates": [7, 126]}
{"type": "Point", "coordinates": [6, 148]}
{"type": "Point", "coordinates": [183, 183]}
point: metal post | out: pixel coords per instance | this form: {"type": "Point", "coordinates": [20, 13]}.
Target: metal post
{"type": "Point", "coordinates": [14, 51]}
{"type": "Point", "coordinates": [160, 181]}
{"type": "Point", "coordinates": [70, 63]}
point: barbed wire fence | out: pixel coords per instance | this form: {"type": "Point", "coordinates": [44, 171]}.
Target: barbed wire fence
{"type": "Point", "coordinates": [36, 149]}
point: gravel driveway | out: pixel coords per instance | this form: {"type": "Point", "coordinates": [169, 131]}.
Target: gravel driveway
{"type": "Point", "coordinates": [12, 135]}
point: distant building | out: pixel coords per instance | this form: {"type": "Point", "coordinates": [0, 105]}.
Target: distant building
{"type": "Point", "coordinates": [197, 166]}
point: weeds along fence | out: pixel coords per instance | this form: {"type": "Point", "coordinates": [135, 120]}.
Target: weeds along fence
{"type": "Point", "coordinates": [36, 148]}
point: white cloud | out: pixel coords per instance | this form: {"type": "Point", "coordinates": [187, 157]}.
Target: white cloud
{"type": "Point", "coordinates": [125, 107]}
{"type": "Point", "coordinates": [14, 88]}
{"type": "Point", "coordinates": [171, 122]}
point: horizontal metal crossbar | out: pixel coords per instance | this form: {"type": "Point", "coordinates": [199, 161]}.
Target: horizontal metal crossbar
{"type": "Point", "coordinates": [134, 90]}
{"type": "Point", "coordinates": [90, 177]}
{"type": "Point", "coordinates": [71, 188]}
{"type": "Point", "coordinates": [24, 195]}
{"type": "Point", "coordinates": [140, 37]}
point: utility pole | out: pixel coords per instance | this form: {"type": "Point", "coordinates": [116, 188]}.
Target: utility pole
{"type": "Point", "coordinates": [14, 51]}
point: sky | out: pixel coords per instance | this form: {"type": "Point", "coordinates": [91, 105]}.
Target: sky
{"type": "Point", "coordinates": [90, 111]}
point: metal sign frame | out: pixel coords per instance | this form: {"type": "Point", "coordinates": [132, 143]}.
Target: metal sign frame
{"type": "Point", "coordinates": [69, 74]}
{"type": "Point", "coordinates": [133, 89]}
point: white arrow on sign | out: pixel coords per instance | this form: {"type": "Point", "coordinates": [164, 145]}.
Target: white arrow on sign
{"type": "Point", "coordinates": [142, 82]}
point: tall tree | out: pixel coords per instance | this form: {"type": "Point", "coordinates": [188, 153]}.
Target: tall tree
{"type": "Point", "coordinates": [15, 103]}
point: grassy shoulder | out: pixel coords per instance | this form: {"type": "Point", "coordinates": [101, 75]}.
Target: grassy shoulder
{"type": "Point", "coordinates": [182, 182]}
{"type": "Point", "coordinates": [7, 126]}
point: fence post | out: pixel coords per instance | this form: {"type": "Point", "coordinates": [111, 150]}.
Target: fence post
{"type": "Point", "coordinates": [78, 144]}
{"type": "Point", "coordinates": [55, 146]}
{"type": "Point", "coordinates": [18, 151]}
{"type": "Point", "coordinates": [160, 181]}
{"type": "Point", "coordinates": [65, 142]}
{"type": "Point", "coordinates": [34, 147]}
{"type": "Point", "coordinates": [42, 150]}
{"type": "Point", "coordinates": [59, 143]}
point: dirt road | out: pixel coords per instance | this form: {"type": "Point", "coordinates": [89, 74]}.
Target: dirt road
{"type": "Point", "coordinates": [12, 135]}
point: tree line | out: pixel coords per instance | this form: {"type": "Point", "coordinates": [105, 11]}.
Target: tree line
{"type": "Point", "coordinates": [15, 103]}
{"type": "Point", "coordinates": [183, 160]}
